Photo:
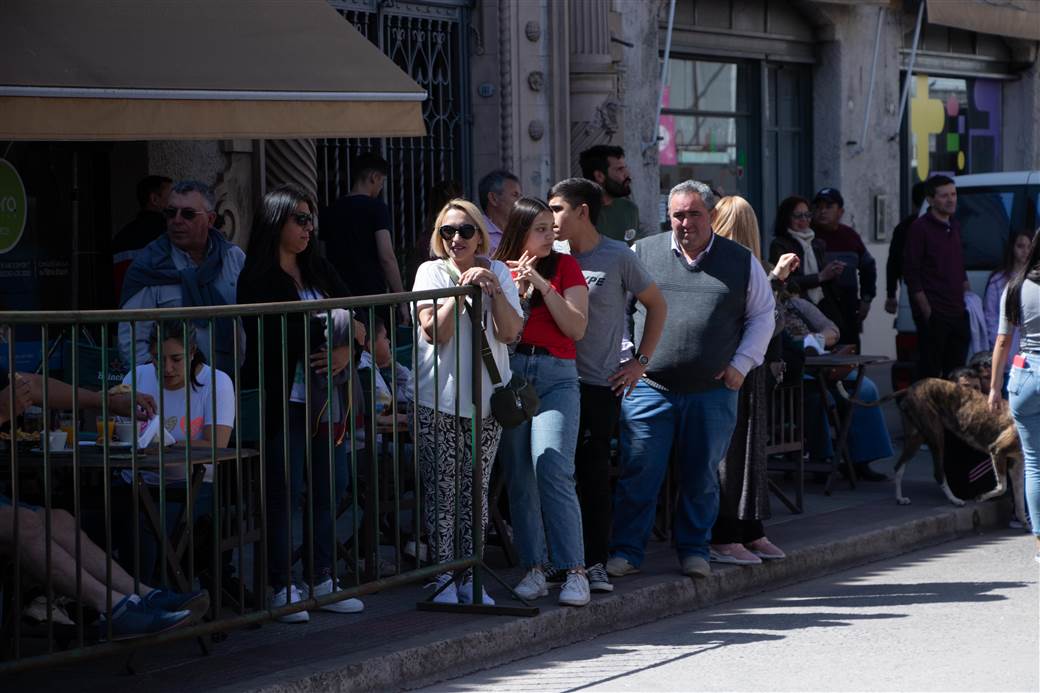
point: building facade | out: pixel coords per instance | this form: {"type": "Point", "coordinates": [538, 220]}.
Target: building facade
{"type": "Point", "coordinates": [762, 98]}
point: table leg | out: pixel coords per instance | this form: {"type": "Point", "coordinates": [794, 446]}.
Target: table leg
{"type": "Point", "coordinates": [843, 433]}
{"type": "Point", "coordinates": [174, 548]}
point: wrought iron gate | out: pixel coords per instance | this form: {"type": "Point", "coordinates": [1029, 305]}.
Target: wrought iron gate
{"type": "Point", "coordinates": [428, 40]}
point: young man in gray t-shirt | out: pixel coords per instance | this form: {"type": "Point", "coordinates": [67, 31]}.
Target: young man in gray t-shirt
{"type": "Point", "coordinates": [613, 274]}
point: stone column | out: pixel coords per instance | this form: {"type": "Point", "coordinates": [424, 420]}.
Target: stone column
{"type": "Point", "coordinates": [595, 109]}
{"type": "Point", "coordinates": [865, 169]}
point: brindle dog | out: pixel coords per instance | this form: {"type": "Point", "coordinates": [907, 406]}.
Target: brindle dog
{"type": "Point", "coordinates": [931, 405]}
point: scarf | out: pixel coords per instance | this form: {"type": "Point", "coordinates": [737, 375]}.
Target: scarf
{"type": "Point", "coordinates": [154, 267]}
{"type": "Point", "coordinates": [809, 264]}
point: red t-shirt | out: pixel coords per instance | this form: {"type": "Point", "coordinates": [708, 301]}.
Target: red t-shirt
{"type": "Point", "coordinates": [541, 329]}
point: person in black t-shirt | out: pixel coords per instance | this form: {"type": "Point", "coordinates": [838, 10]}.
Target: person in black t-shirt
{"type": "Point", "coordinates": [153, 192]}
{"type": "Point", "coordinates": [356, 233]}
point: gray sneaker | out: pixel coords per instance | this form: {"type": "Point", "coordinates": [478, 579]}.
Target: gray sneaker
{"type": "Point", "coordinates": [532, 586]}
{"type": "Point", "coordinates": [695, 566]}
{"type": "Point", "coordinates": [599, 581]}
{"type": "Point", "coordinates": [619, 567]}
{"type": "Point", "coordinates": [575, 592]}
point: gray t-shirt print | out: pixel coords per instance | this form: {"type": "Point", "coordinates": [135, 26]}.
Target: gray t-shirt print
{"type": "Point", "coordinates": [612, 272]}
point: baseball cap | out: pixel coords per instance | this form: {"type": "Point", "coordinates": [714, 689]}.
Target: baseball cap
{"type": "Point", "coordinates": [831, 195]}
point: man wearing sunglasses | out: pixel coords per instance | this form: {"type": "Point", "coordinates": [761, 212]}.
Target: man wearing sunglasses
{"type": "Point", "coordinates": [193, 264]}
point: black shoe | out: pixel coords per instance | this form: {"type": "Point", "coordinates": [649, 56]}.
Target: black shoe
{"type": "Point", "coordinates": [864, 472]}
{"type": "Point", "coordinates": [553, 577]}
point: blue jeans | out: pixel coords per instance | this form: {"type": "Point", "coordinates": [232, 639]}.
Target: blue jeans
{"type": "Point", "coordinates": [282, 501]}
{"type": "Point", "coordinates": [700, 426]}
{"type": "Point", "coordinates": [868, 439]}
{"type": "Point", "coordinates": [538, 462]}
{"type": "Point", "coordinates": [1024, 392]}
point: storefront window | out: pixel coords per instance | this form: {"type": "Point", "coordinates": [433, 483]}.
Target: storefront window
{"type": "Point", "coordinates": [741, 127]}
{"type": "Point", "coordinates": [704, 128]}
{"type": "Point", "coordinates": [955, 126]}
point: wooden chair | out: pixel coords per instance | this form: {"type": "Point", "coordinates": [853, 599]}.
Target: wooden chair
{"type": "Point", "coordinates": [784, 449]}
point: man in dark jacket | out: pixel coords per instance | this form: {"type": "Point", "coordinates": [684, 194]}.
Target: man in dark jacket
{"type": "Point", "coordinates": [844, 244]}
{"type": "Point", "coordinates": [894, 266]}
{"type": "Point", "coordinates": [933, 267]}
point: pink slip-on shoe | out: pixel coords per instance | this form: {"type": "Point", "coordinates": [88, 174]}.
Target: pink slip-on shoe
{"type": "Point", "coordinates": [765, 549]}
{"type": "Point", "coordinates": [733, 553]}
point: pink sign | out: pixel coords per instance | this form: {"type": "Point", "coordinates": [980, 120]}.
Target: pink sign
{"type": "Point", "coordinates": [666, 155]}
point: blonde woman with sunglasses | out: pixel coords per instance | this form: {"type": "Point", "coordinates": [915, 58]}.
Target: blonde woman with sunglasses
{"type": "Point", "coordinates": [445, 408]}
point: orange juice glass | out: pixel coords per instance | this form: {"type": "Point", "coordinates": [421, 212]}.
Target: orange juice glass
{"type": "Point", "coordinates": [101, 427]}
{"type": "Point", "coordinates": [68, 424]}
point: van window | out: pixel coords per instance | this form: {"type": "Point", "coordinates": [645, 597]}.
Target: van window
{"type": "Point", "coordinates": [988, 216]}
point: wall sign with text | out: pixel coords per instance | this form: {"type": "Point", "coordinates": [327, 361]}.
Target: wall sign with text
{"type": "Point", "coordinates": [12, 207]}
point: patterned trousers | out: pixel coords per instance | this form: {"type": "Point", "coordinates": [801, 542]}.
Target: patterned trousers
{"type": "Point", "coordinates": [444, 459]}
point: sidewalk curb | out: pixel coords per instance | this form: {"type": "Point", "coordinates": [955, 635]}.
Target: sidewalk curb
{"type": "Point", "coordinates": [523, 637]}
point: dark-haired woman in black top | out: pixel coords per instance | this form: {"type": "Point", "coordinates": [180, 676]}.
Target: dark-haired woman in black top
{"type": "Point", "coordinates": [283, 265]}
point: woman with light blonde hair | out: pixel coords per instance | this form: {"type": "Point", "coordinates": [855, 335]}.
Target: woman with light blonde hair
{"type": "Point", "coordinates": [738, 535]}
{"type": "Point", "coordinates": [733, 218]}
{"type": "Point", "coordinates": [444, 405]}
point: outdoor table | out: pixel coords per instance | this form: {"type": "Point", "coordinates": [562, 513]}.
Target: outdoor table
{"type": "Point", "coordinates": [92, 458]}
{"type": "Point", "coordinates": [841, 422]}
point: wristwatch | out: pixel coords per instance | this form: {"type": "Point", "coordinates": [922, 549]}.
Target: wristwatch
{"type": "Point", "coordinates": [643, 359]}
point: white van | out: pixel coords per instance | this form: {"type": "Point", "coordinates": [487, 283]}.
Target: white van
{"type": "Point", "coordinates": [990, 207]}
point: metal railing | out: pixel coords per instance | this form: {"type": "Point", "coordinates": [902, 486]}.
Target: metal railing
{"type": "Point", "coordinates": [70, 511]}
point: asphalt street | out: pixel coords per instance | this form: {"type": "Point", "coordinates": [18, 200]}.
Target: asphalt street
{"type": "Point", "coordinates": [959, 616]}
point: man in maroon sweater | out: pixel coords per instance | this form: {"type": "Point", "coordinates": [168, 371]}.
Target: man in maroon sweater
{"type": "Point", "coordinates": [845, 245]}
{"type": "Point", "coordinates": [933, 268]}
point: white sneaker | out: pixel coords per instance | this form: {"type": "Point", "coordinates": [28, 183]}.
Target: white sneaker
{"type": "Point", "coordinates": [532, 586]}
{"type": "Point", "coordinates": [575, 592]}
{"type": "Point", "coordinates": [450, 594]}
{"type": "Point", "coordinates": [343, 606]}
{"type": "Point", "coordinates": [466, 593]}
{"type": "Point", "coordinates": [282, 597]}
{"type": "Point", "coordinates": [409, 549]}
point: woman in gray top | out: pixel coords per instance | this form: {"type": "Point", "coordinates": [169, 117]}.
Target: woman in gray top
{"type": "Point", "coordinates": [1020, 307]}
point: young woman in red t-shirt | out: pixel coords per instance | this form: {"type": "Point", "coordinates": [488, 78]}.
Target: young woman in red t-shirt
{"type": "Point", "coordinates": [538, 456]}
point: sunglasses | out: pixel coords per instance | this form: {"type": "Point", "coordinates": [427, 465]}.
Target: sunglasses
{"type": "Point", "coordinates": [303, 219]}
{"type": "Point", "coordinates": [802, 215]}
{"type": "Point", "coordinates": [465, 230]}
{"type": "Point", "coordinates": [187, 213]}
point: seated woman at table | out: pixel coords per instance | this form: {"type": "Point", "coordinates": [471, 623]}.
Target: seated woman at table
{"type": "Point", "coordinates": [283, 265]}
{"type": "Point", "coordinates": [868, 438]}
{"type": "Point", "coordinates": [146, 611]}
{"type": "Point", "coordinates": [185, 383]}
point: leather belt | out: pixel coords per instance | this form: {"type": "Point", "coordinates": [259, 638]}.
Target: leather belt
{"type": "Point", "coordinates": [532, 350]}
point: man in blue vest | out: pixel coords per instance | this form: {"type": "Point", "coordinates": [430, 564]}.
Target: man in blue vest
{"type": "Point", "coordinates": [720, 320]}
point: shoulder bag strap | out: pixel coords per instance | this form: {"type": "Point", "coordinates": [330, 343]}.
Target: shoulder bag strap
{"type": "Point", "coordinates": [485, 348]}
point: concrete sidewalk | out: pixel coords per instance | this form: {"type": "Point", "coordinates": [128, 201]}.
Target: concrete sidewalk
{"type": "Point", "coordinates": [392, 645]}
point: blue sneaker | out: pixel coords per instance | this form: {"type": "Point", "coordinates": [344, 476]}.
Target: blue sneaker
{"type": "Point", "coordinates": [132, 618]}
{"type": "Point", "coordinates": [161, 599]}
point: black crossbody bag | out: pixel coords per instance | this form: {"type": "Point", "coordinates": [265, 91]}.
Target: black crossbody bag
{"type": "Point", "coordinates": [512, 403]}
